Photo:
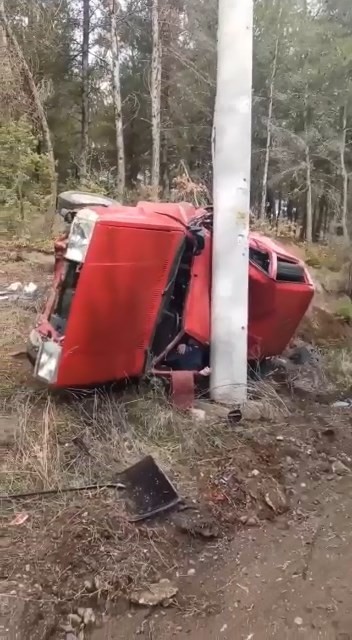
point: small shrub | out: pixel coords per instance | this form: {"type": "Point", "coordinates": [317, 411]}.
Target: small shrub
{"type": "Point", "coordinates": [338, 367]}
{"type": "Point", "coordinates": [344, 311]}
{"type": "Point", "coordinates": [24, 176]}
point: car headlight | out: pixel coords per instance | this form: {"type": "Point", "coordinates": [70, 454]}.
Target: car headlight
{"type": "Point", "coordinates": [80, 235]}
{"type": "Point", "coordinates": [47, 362]}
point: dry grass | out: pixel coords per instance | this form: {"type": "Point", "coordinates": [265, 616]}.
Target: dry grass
{"type": "Point", "coordinates": [17, 316]}
{"type": "Point", "coordinates": [338, 367]}
{"type": "Point", "coordinates": [72, 539]}
{"type": "Point", "coordinates": [27, 243]}
{"type": "Point", "coordinates": [15, 323]}
{"type": "Point", "coordinates": [79, 440]}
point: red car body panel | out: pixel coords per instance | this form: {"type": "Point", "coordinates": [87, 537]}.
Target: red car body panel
{"type": "Point", "coordinates": [115, 309]}
{"type": "Point", "coordinates": [275, 308]}
{"type": "Point", "coordinates": [108, 334]}
{"type": "Point", "coordinates": [197, 309]}
{"type": "Point", "coordinates": [275, 311]}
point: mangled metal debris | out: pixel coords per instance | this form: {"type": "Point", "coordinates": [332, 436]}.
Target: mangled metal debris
{"type": "Point", "coordinates": [17, 290]}
{"type": "Point", "coordinates": [342, 404]}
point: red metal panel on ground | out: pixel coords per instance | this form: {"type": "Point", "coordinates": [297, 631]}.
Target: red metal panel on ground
{"type": "Point", "coordinates": [182, 389]}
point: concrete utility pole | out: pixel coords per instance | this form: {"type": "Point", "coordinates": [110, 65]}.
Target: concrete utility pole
{"type": "Point", "coordinates": [232, 162]}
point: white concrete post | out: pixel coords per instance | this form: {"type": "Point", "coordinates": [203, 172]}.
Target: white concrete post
{"type": "Point", "coordinates": [232, 162]}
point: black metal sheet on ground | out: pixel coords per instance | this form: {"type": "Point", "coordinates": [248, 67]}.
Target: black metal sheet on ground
{"type": "Point", "coordinates": [148, 490]}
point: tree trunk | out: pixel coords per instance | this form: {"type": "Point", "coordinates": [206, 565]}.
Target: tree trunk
{"type": "Point", "coordinates": [85, 93]}
{"type": "Point", "coordinates": [156, 98]}
{"type": "Point", "coordinates": [169, 21]}
{"type": "Point", "coordinates": [116, 93]}
{"type": "Point", "coordinates": [164, 135]}
{"type": "Point", "coordinates": [309, 196]}
{"type": "Point", "coordinates": [6, 76]}
{"type": "Point", "coordinates": [11, 37]}
{"type": "Point", "coordinates": [318, 226]}
{"type": "Point", "coordinates": [309, 203]}
{"type": "Point", "coordinates": [344, 172]}
{"type": "Point", "coordinates": [269, 122]}
{"type": "Point", "coordinates": [308, 223]}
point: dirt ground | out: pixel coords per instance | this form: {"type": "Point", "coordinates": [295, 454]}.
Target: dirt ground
{"type": "Point", "coordinates": [286, 580]}
{"type": "Point", "coordinates": [261, 551]}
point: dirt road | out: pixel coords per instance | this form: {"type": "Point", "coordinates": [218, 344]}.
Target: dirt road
{"type": "Point", "coordinates": [291, 579]}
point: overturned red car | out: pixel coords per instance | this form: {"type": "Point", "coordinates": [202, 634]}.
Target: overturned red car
{"type": "Point", "coordinates": [132, 294]}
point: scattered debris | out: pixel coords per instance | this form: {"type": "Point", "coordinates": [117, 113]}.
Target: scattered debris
{"type": "Point", "coordinates": [16, 290]}
{"type": "Point", "coordinates": [158, 593]}
{"type": "Point", "coordinates": [30, 288]}
{"type": "Point", "coordinates": [74, 620]}
{"type": "Point", "coordinates": [276, 500]}
{"type": "Point", "coordinates": [256, 410]}
{"type": "Point", "coordinates": [304, 354]}
{"type": "Point", "coordinates": [19, 519]}
{"type": "Point", "coordinates": [87, 616]}
{"type": "Point", "coordinates": [250, 521]}
{"type": "Point", "coordinates": [191, 572]}
{"type": "Point", "coordinates": [93, 585]}
{"type": "Point", "coordinates": [205, 410]}
{"type": "Point", "coordinates": [234, 416]}
{"type": "Point", "coordinates": [309, 387]}
{"type": "Point", "coordinates": [198, 414]}
{"type": "Point", "coordinates": [340, 469]}
{"type": "Point", "coordinates": [212, 411]}
{"type": "Point", "coordinates": [15, 286]}
{"type": "Point", "coordinates": [342, 404]}
{"type": "Point", "coordinates": [196, 524]}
